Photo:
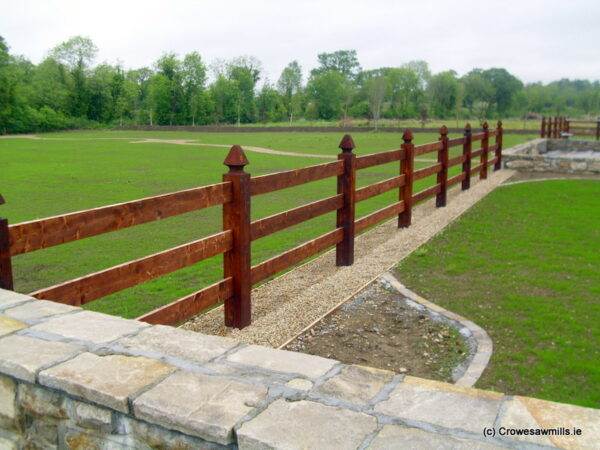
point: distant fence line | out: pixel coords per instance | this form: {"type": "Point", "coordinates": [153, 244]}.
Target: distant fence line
{"type": "Point", "coordinates": [558, 127]}
{"type": "Point", "coordinates": [235, 194]}
{"type": "Point", "coordinates": [303, 129]}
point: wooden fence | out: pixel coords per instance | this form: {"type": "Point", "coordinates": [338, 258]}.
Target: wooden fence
{"type": "Point", "coordinates": [554, 127]}
{"type": "Point", "coordinates": [235, 193]}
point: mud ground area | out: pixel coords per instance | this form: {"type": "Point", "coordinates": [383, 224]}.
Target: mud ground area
{"type": "Point", "coordinates": [379, 328]}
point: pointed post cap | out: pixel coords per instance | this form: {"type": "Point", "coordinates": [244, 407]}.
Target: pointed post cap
{"type": "Point", "coordinates": [468, 127]}
{"type": "Point", "coordinates": [347, 144]}
{"type": "Point", "coordinates": [236, 158]}
{"type": "Point", "coordinates": [499, 124]}
{"type": "Point", "coordinates": [485, 125]}
{"type": "Point", "coordinates": [407, 136]}
{"type": "Point", "coordinates": [444, 130]}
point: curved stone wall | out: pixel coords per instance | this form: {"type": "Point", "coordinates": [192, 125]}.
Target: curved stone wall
{"type": "Point", "coordinates": [77, 379]}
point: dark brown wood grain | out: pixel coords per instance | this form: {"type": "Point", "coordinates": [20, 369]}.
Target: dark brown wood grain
{"type": "Point", "coordinates": [90, 287]}
{"type": "Point", "coordinates": [362, 162]}
{"type": "Point", "coordinates": [190, 305]}
{"type": "Point", "coordinates": [475, 169]}
{"type": "Point", "coordinates": [427, 171]}
{"type": "Point", "coordinates": [407, 165]}
{"type": "Point", "coordinates": [498, 145]}
{"type": "Point", "coordinates": [456, 178]}
{"type": "Point", "coordinates": [236, 261]}
{"type": "Point", "coordinates": [379, 216]}
{"type": "Point", "coordinates": [6, 275]}
{"type": "Point", "coordinates": [346, 186]}
{"type": "Point", "coordinates": [379, 188]}
{"type": "Point", "coordinates": [282, 180]}
{"type": "Point", "coordinates": [43, 233]}
{"type": "Point", "coordinates": [466, 153]}
{"type": "Point", "coordinates": [442, 176]}
{"type": "Point", "coordinates": [280, 221]}
{"type": "Point", "coordinates": [543, 127]}
{"type": "Point", "coordinates": [296, 255]}
{"type": "Point", "coordinates": [427, 148]}
{"type": "Point", "coordinates": [477, 136]}
{"type": "Point", "coordinates": [485, 142]}
{"type": "Point", "coordinates": [476, 153]}
{"type": "Point", "coordinates": [425, 194]}
{"type": "Point", "coordinates": [456, 142]}
{"type": "Point", "coordinates": [456, 160]}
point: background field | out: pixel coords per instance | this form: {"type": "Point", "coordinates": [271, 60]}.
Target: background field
{"type": "Point", "coordinates": [523, 264]}
{"type": "Point", "coordinates": [64, 172]}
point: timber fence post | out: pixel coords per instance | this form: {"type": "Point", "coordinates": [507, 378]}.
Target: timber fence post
{"type": "Point", "coordinates": [499, 133]}
{"type": "Point", "coordinates": [484, 153]}
{"type": "Point", "coordinates": [6, 275]}
{"type": "Point", "coordinates": [236, 217]}
{"type": "Point", "coordinates": [407, 169]}
{"type": "Point", "coordinates": [598, 129]}
{"type": "Point", "coordinates": [346, 185]}
{"type": "Point", "coordinates": [442, 176]}
{"type": "Point", "coordinates": [543, 130]}
{"type": "Point", "coordinates": [555, 128]}
{"type": "Point", "coordinates": [466, 166]}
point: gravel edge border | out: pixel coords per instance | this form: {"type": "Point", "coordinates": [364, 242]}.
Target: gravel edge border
{"type": "Point", "coordinates": [484, 346]}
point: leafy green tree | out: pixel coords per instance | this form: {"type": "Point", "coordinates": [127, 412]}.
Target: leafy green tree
{"type": "Point", "coordinates": [226, 97]}
{"type": "Point", "coordinates": [442, 90]}
{"type": "Point", "coordinates": [270, 105]}
{"type": "Point", "coordinates": [194, 78]}
{"type": "Point", "coordinates": [342, 61]}
{"type": "Point", "coordinates": [327, 91]}
{"type": "Point", "coordinates": [505, 88]}
{"type": "Point", "coordinates": [245, 72]}
{"type": "Point", "coordinates": [290, 86]}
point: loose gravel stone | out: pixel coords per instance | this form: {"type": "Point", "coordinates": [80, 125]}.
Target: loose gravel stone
{"type": "Point", "coordinates": [283, 307]}
{"type": "Point", "coordinates": [23, 356]}
{"type": "Point", "coordinates": [282, 361]}
{"type": "Point", "coordinates": [201, 405]}
{"type": "Point", "coordinates": [107, 380]}
{"type": "Point", "coordinates": [305, 425]}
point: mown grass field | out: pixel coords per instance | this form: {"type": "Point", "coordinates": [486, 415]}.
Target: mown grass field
{"type": "Point", "coordinates": [65, 172]}
{"type": "Point", "coordinates": [524, 264]}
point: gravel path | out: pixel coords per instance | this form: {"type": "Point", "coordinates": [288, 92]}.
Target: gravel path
{"type": "Point", "coordinates": [286, 305]}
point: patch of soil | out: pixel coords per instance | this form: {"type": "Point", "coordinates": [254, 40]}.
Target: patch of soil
{"type": "Point", "coordinates": [378, 328]}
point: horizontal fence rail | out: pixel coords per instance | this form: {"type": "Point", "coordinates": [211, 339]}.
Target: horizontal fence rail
{"type": "Point", "coordinates": [561, 127]}
{"type": "Point", "coordinates": [235, 194]}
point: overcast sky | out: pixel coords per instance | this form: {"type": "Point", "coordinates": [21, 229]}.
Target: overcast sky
{"type": "Point", "coordinates": [535, 40]}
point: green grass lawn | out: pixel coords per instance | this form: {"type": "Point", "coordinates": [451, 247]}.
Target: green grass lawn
{"type": "Point", "coordinates": [524, 264]}
{"type": "Point", "coordinates": [71, 171]}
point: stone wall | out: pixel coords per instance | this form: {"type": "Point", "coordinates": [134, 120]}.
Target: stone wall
{"type": "Point", "coordinates": [554, 155]}
{"type": "Point", "coordinates": [76, 379]}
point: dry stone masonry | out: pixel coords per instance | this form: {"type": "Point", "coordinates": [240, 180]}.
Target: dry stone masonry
{"type": "Point", "coordinates": [75, 379]}
{"type": "Point", "coordinates": [555, 155]}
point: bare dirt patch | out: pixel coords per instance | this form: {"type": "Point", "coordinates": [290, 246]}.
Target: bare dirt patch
{"type": "Point", "coordinates": [378, 328]}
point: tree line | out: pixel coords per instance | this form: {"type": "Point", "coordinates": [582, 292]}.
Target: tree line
{"type": "Point", "coordinates": [66, 90]}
